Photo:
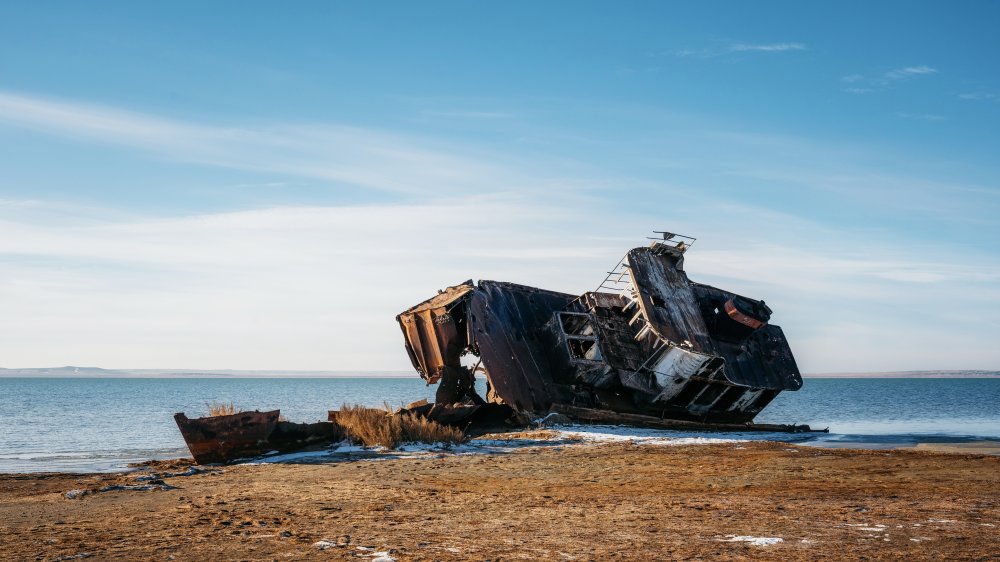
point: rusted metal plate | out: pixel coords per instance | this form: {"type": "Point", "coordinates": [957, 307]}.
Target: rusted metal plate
{"type": "Point", "coordinates": [744, 319]}
{"type": "Point", "coordinates": [223, 438]}
{"type": "Point", "coordinates": [435, 331]}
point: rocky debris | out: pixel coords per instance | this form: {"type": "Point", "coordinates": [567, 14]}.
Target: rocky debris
{"type": "Point", "coordinates": [156, 485]}
{"type": "Point", "coordinates": [157, 477]}
{"type": "Point", "coordinates": [145, 488]}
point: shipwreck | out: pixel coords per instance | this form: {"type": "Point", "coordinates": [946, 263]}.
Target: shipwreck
{"type": "Point", "coordinates": [647, 347]}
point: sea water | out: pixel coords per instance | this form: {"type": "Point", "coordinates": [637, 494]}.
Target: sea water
{"type": "Point", "coordinates": [100, 424]}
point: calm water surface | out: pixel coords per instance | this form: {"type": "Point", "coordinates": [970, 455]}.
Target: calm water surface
{"type": "Point", "coordinates": [102, 424]}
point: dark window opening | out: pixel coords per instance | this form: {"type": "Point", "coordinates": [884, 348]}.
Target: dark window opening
{"type": "Point", "coordinates": [584, 349]}
{"type": "Point", "coordinates": [574, 324]}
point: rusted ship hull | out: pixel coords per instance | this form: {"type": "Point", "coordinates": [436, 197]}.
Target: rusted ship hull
{"type": "Point", "coordinates": [221, 439]}
{"type": "Point", "coordinates": [648, 344]}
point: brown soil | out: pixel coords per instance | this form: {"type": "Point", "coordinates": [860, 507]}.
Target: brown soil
{"type": "Point", "coordinates": [586, 502]}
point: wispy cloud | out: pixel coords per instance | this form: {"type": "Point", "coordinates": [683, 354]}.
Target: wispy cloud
{"type": "Point", "coordinates": [467, 114]}
{"type": "Point", "coordinates": [348, 156]}
{"type": "Point", "coordinates": [922, 116]}
{"type": "Point", "coordinates": [873, 83]}
{"type": "Point", "coordinates": [977, 96]}
{"type": "Point", "coordinates": [768, 47]}
{"type": "Point", "coordinates": [684, 52]}
{"type": "Point", "coordinates": [909, 72]}
{"type": "Point", "coordinates": [711, 52]}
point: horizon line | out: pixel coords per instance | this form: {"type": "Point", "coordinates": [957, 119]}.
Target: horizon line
{"type": "Point", "coordinates": [99, 372]}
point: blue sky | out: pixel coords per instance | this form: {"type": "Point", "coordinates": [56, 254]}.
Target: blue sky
{"type": "Point", "coordinates": [262, 186]}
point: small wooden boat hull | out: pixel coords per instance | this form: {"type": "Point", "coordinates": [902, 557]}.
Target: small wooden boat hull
{"type": "Point", "coordinates": [221, 439]}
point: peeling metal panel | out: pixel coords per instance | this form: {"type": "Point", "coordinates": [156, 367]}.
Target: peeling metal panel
{"type": "Point", "coordinates": [677, 361]}
{"type": "Point", "coordinates": [435, 338]}
{"type": "Point", "coordinates": [666, 298]}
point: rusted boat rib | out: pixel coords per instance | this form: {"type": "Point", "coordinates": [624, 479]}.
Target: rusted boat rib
{"type": "Point", "coordinates": [220, 439]}
{"type": "Point", "coordinates": [648, 345]}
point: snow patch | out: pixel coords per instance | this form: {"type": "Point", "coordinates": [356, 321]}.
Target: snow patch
{"type": "Point", "coordinates": [346, 446]}
{"type": "Point", "coordinates": [565, 435]}
{"type": "Point", "coordinates": [639, 436]}
{"type": "Point", "coordinates": [756, 541]}
{"type": "Point", "coordinates": [290, 457]}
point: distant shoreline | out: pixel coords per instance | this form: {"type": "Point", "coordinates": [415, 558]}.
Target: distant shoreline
{"type": "Point", "coordinates": [908, 375]}
{"type": "Point", "coordinates": [209, 376]}
{"type": "Point", "coordinates": [285, 375]}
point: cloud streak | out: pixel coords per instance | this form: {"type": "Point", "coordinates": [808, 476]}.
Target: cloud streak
{"type": "Point", "coordinates": [922, 116]}
{"type": "Point", "coordinates": [869, 84]}
{"type": "Point", "coordinates": [347, 156]}
{"type": "Point", "coordinates": [767, 48]}
{"type": "Point", "coordinates": [909, 72]}
{"type": "Point", "coordinates": [712, 52]}
{"type": "Point", "coordinates": [977, 96]}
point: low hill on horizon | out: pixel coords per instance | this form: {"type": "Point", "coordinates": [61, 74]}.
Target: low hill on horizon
{"type": "Point", "coordinates": [956, 374]}
{"type": "Point", "coordinates": [98, 372]}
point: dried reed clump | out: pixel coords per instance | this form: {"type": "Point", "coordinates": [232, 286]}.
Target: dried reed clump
{"type": "Point", "coordinates": [379, 426]}
{"type": "Point", "coordinates": [221, 409]}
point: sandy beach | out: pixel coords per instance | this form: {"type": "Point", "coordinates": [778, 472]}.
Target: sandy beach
{"type": "Point", "coordinates": [728, 501]}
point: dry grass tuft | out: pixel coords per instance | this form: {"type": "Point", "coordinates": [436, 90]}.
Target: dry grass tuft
{"type": "Point", "coordinates": [221, 409]}
{"type": "Point", "coordinates": [379, 426]}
